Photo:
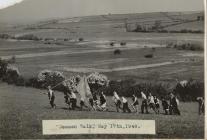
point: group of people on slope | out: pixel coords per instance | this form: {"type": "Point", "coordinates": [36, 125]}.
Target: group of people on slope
{"type": "Point", "coordinates": [149, 101]}
{"type": "Point", "coordinates": [122, 104]}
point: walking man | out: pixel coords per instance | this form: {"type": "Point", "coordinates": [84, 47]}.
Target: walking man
{"type": "Point", "coordinates": [51, 96]}
{"type": "Point", "coordinates": [135, 103]}
{"type": "Point", "coordinates": [144, 103]}
{"type": "Point", "coordinates": [165, 105]}
{"type": "Point", "coordinates": [157, 104]}
{"type": "Point", "coordinates": [174, 105]}
{"type": "Point", "coordinates": [73, 100]}
{"type": "Point", "coordinates": [125, 105]}
{"type": "Point", "coordinates": [152, 102]}
{"type": "Point", "coordinates": [103, 101]}
{"type": "Point", "coordinates": [200, 105]}
{"type": "Point", "coordinates": [117, 101]}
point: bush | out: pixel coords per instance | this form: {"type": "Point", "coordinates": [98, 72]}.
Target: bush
{"type": "Point", "coordinates": [50, 78]}
{"type": "Point", "coordinates": [96, 81]}
{"type": "Point", "coordinates": [148, 56]}
{"type": "Point", "coordinates": [153, 48]}
{"type": "Point", "coordinates": [117, 51]}
{"type": "Point", "coordinates": [20, 81]}
{"type": "Point", "coordinates": [189, 46]}
{"type": "Point", "coordinates": [5, 36]}
{"type": "Point", "coordinates": [189, 91]}
{"type": "Point", "coordinates": [112, 44]}
{"type": "Point", "coordinates": [81, 39]}
{"type": "Point", "coordinates": [32, 82]}
{"type": "Point", "coordinates": [12, 74]}
{"type": "Point", "coordinates": [123, 43]}
{"type": "Point", "coordinates": [28, 37]}
{"type": "Point", "coordinates": [12, 60]}
{"type": "Point", "coordinates": [72, 83]}
{"type": "Point", "coordinates": [3, 67]}
{"type": "Point", "coordinates": [129, 87]}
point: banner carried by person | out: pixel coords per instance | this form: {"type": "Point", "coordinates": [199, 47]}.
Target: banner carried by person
{"type": "Point", "coordinates": [83, 88]}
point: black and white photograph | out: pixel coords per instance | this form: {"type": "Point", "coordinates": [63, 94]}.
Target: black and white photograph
{"type": "Point", "coordinates": [102, 69]}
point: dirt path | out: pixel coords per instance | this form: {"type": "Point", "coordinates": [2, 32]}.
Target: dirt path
{"type": "Point", "coordinates": [87, 70]}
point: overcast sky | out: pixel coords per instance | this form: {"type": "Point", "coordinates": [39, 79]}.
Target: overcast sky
{"type": "Point", "coordinates": [35, 10]}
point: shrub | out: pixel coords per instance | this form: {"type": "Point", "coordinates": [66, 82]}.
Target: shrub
{"type": "Point", "coordinates": [5, 36]}
{"type": "Point", "coordinates": [117, 51]}
{"type": "Point", "coordinates": [81, 39]}
{"type": "Point", "coordinates": [153, 48]}
{"type": "Point", "coordinates": [48, 77]}
{"type": "Point", "coordinates": [28, 37]}
{"type": "Point", "coordinates": [123, 43]}
{"type": "Point", "coordinates": [190, 91]}
{"type": "Point", "coordinates": [189, 46]}
{"type": "Point", "coordinates": [129, 87]}
{"type": "Point", "coordinates": [20, 81]}
{"type": "Point", "coordinates": [3, 67]}
{"type": "Point", "coordinates": [96, 81]}
{"type": "Point", "coordinates": [12, 74]}
{"type": "Point", "coordinates": [72, 83]}
{"type": "Point", "coordinates": [112, 44]}
{"type": "Point", "coordinates": [32, 82]}
{"type": "Point", "coordinates": [12, 60]}
{"type": "Point", "coordinates": [148, 56]}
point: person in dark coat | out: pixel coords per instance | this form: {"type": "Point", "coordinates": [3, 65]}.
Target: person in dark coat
{"type": "Point", "coordinates": [73, 100]}
{"type": "Point", "coordinates": [200, 105]}
{"type": "Point", "coordinates": [165, 105]}
{"type": "Point", "coordinates": [51, 96]}
{"type": "Point", "coordinates": [82, 104]}
{"type": "Point", "coordinates": [66, 97]}
{"type": "Point", "coordinates": [125, 105]}
{"type": "Point", "coordinates": [157, 104]}
{"type": "Point", "coordinates": [174, 105]}
{"type": "Point", "coordinates": [144, 105]}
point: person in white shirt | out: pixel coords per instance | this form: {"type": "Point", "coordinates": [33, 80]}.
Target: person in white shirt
{"type": "Point", "coordinates": [51, 96]}
{"type": "Point", "coordinates": [117, 101]}
{"type": "Point", "coordinates": [135, 103]}
{"type": "Point", "coordinates": [152, 102]}
{"type": "Point", "coordinates": [144, 105]}
{"type": "Point", "coordinates": [125, 105]}
{"type": "Point", "coordinates": [103, 102]}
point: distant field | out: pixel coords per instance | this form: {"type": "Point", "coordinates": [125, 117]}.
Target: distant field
{"type": "Point", "coordinates": [23, 109]}
{"type": "Point", "coordinates": [86, 57]}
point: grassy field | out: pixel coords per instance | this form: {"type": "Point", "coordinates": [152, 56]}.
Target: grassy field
{"type": "Point", "coordinates": [89, 56]}
{"type": "Point", "coordinates": [23, 109]}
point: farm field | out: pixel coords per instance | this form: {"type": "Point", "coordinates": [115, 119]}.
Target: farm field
{"type": "Point", "coordinates": [83, 45]}
{"type": "Point", "coordinates": [90, 56]}
{"type": "Point", "coordinates": [23, 109]}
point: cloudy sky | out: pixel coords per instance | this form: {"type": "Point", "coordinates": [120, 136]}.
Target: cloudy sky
{"type": "Point", "coordinates": [35, 10]}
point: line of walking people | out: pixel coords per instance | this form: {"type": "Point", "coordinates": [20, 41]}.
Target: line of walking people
{"type": "Point", "coordinates": [170, 105]}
